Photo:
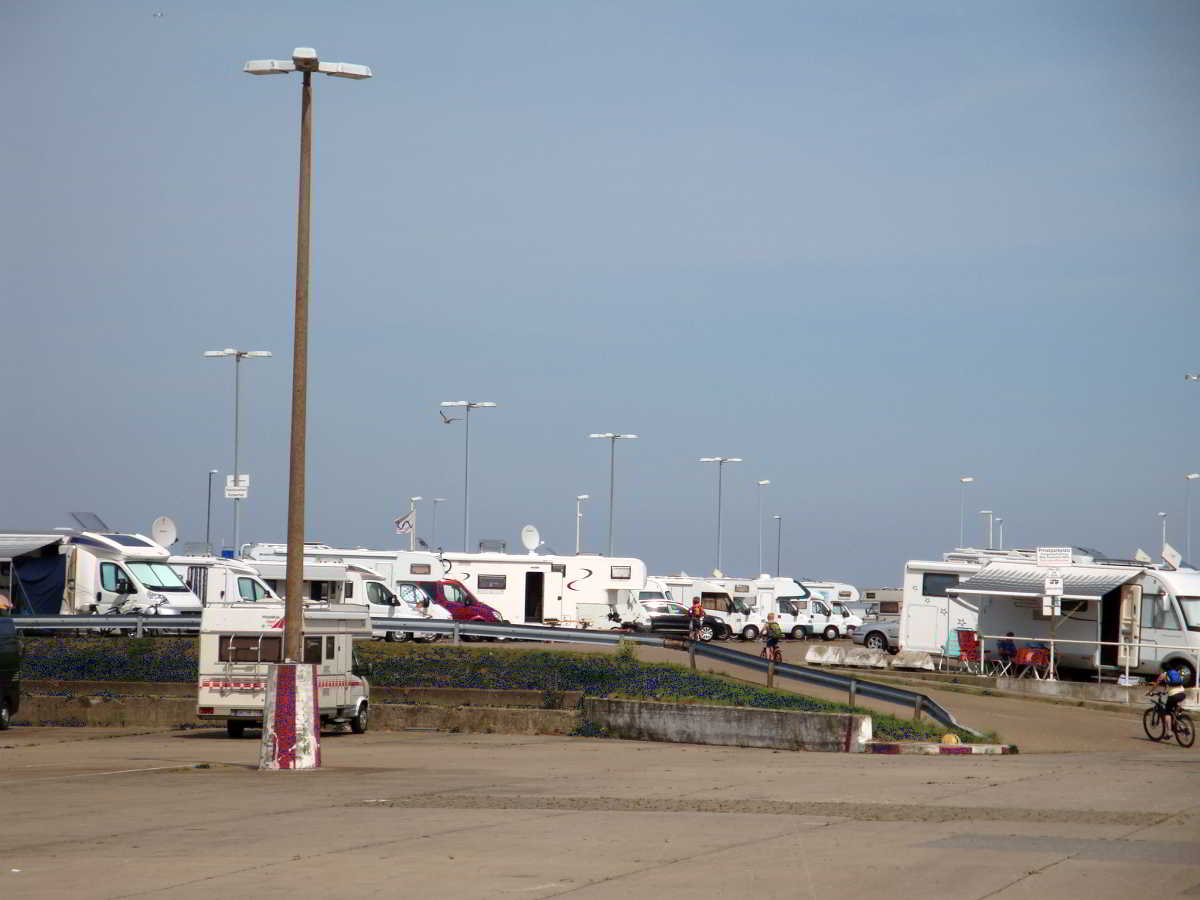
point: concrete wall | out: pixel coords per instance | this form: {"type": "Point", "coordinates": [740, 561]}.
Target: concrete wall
{"type": "Point", "coordinates": [736, 726]}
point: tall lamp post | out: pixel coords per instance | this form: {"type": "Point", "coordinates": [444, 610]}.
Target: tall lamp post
{"type": "Point", "coordinates": [1000, 529]}
{"type": "Point", "coordinates": [208, 517]}
{"type": "Point", "coordinates": [467, 406]}
{"type": "Point", "coordinates": [778, 543]}
{"type": "Point", "coordinates": [579, 521]}
{"type": "Point", "coordinates": [720, 461]}
{"type": "Point", "coordinates": [1163, 517]}
{"type": "Point", "coordinates": [962, 507]}
{"type": "Point", "coordinates": [612, 437]}
{"type": "Point", "coordinates": [305, 61]}
{"type": "Point", "coordinates": [1188, 515]}
{"type": "Point", "coordinates": [238, 356]}
{"type": "Point", "coordinates": [988, 513]}
{"type": "Point", "coordinates": [412, 521]}
{"type": "Point", "coordinates": [433, 524]}
{"type": "Point", "coordinates": [761, 484]}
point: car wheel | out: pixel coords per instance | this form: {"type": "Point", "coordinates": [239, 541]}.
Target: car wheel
{"type": "Point", "coordinates": [875, 641]}
{"type": "Point", "coordinates": [235, 729]}
{"type": "Point", "coordinates": [5, 715]}
{"type": "Point", "coordinates": [830, 633]}
{"type": "Point", "coordinates": [749, 633]}
{"type": "Point", "coordinates": [799, 633]}
{"type": "Point", "coordinates": [390, 637]}
{"type": "Point", "coordinates": [359, 723]}
{"type": "Point", "coordinates": [706, 633]}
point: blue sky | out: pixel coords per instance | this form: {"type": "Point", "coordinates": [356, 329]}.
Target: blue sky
{"type": "Point", "coordinates": [868, 247]}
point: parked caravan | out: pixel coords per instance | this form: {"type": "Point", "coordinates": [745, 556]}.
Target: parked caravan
{"type": "Point", "coordinates": [393, 566]}
{"type": "Point", "coordinates": [216, 579]}
{"type": "Point", "coordinates": [93, 572]}
{"type": "Point", "coordinates": [239, 641]}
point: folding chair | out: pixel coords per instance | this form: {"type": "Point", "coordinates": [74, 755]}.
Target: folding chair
{"type": "Point", "coordinates": [950, 651]}
{"type": "Point", "coordinates": [969, 650]}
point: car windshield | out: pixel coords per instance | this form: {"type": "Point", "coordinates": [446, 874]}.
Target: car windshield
{"type": "Point", "coordinates": [157, 576]}
{"type": "Point", "coordinates": [1191, 611]}
{"type": "Point", "coordinates": [651, 595]}
{"type": "Point", "coordinates": [740, 605]}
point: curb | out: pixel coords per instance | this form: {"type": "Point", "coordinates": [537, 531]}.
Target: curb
{"type": "Point", "coordinates": [923, 748]}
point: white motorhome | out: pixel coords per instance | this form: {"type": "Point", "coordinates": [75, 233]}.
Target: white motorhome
{"type": "Point", "coordinates": [731, 610]}
{"type": "Point", "coordinates": [1116, 601]}
{"type": "Point", "coordinates": [582, 591]}
{"type": "Point", "coordinates": [218, 579]}
{"type": "Point", "coordinates": [395, 567]}
{"type": "Point", "coordinates": [239, 641]}
{"type": "Point", "coordinates": [93, 572]}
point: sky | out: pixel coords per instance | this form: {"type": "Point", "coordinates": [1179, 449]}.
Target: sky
{"type": "Point", "coordinates": [869, 248]}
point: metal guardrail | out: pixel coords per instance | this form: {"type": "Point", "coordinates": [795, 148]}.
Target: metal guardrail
{"type": "Point", "coordinates": [854, 686]}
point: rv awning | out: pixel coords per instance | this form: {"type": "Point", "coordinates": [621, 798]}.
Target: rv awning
{"type": "Point", "coordinates": [12, 545]}
{"type": "Point", "coordinates": [1028, 581]}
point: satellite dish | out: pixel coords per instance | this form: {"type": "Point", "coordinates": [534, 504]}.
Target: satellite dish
{"type": "Point", "coordinates": [163, 531]}
{"type": "Point", "coordinates": [530, 538]}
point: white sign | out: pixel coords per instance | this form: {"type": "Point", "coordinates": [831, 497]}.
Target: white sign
{"type": "Point", "coordinates": [243, 480]}
{"type": "Point", "coordinates": [1054, 584]}
{"type": "Point", "coordinates": [1054, 556]}
{"type": "Point", "coordinates": [1051, 606]}
{"type": "Point", "coordinates": [236, 493]}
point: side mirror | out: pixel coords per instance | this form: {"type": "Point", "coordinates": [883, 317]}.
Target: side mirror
{"type": "Point", "coordinates": [126, 587]}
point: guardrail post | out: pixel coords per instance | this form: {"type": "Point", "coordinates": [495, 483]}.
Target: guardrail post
{"type": "Point", "coordinates": [917, 708]}
{"type": "Point", "coordinates": [139, 624]}
{"type": "Point", "coordinates": [853, 692]}
{"type": "Point", "coordinates": [455, 638]}
{"type": "Point", "coordinates": [770, 672]}
{"type": "Point", "coordinates": [692, 654]}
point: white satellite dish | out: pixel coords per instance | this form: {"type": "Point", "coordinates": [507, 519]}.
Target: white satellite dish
{"type": "Point", "coordinates": [163, 531]}
{"type": "Point", "coordinates": [530, 538]}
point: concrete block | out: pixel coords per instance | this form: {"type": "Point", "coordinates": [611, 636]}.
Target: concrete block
{"type": "Point", "coordinates": [913, 659]}
{"type": "Point", "coordinates": [733, 726]}
{"type": "Point", "coordinates": [474, 719]}
{"type": "Point", "coordinates": [825, 655]}
{"type": "Point", "coordinates": [861, 657]}
{"type": "Point", "coordinates": [926, 748]}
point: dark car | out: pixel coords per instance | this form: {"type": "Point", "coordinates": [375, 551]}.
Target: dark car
{"type": "Point", "coordinates": [673, 618]}
{"type": "Point", "coordinates": [10, 671]}
{"type": "Point", "coordinates": [462, 605]}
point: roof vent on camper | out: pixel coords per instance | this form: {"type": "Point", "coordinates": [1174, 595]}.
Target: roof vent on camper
{"type": "Point", "coordinates": [493, 546]}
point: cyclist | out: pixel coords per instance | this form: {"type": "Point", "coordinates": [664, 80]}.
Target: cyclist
{"type": "Point", "coordinates": [1173, 681]}
{"type": "Point", "coordinates": [771, 635]}
{"type": "Point", "coordinates": [695, 618]}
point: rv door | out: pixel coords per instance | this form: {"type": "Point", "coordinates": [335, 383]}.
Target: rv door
{"type": "Point", "coordinates": [1131, 626]}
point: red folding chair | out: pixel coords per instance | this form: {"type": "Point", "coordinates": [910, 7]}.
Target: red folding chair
{"type": "Point", "coordinates": [968, 645]}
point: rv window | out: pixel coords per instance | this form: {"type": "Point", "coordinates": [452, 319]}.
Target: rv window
{"type": "Point", "coordinates": [418, 569]}
{"type": "Point", "coordinates": [312, 649]}
{"type": "Point", "coordinates": [934, 584]}
{"type": "Point", "coordinates": [492, 582]}
{"type": "Point", "coordinates": [715, 602]}
{"type": "Point", "coordinates": [870, 595]}
{"type": "Point", "coordinates": [349, 590]}
{"type": "Point", "coordinates": [1156, 615]}
{"type": "Point", "coordinates": [108, 576]}
{"type": "Point", "coordinates": [249, 648]}
{"type": "Point", "coordinates": [377, 593]}
{"type": "Point", "coordinates": [1191, 611]}
{"type": "Point", "coordinates": [329, 647]}
{"type": "Point", "coordinates": [621, 572]}
{"type": "Point", "coordinates": [651, 595]}
{"type": "Point", "coordinates": [413, 594]}
{"type": "Point", "coordinates": [889, 607]}
{"type": "Point", "coordinates": [801, 606]}
{"type": "Point", "coordinates": [249, 589]}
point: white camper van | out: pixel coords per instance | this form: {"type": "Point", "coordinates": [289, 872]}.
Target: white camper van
{"type": "Point", "coordinates": [395, 567]}
{"type": "Point", "coordinates": [238, 641]}
{"type": "Point", "coordinates": [217, 579]}
{"type": "Point", "coordinates": [731, 611]}
{"type": "Point", "coordinates": [93, 572]}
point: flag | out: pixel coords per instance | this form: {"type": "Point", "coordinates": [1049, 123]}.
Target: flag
{"type": "Point", "coordinates": [404, 523]}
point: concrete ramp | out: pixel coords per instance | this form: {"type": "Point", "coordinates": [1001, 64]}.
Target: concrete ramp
{"type": "Point", "coordinates": [862, 658]}
{"type": "Point", "coordinates": [913, 659]}
{"type": "Point", "coordinates": [825, 655]}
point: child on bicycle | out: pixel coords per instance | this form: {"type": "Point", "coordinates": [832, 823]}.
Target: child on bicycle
{"type": "Point", "coordinates": [695, 618]}
{"type": "Point", "coordinates": [771, 635]}
{"type": "Point", "coordinates": [1173, 681]}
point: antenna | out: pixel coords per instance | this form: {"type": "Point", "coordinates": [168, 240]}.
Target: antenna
{"type": "Point", "coordinates": [530, 538]}
{"type": "Point", "coordinates": [163, 531]}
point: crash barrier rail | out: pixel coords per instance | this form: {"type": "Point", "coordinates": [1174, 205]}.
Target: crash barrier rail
{"type": "Point", "coordinates": [855, 687]}
{"type": "Point", "coordinates": [1052, 669]}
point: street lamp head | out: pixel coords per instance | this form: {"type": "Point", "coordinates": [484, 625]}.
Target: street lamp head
{"type": "Point", "coordinates": [257, 354]}
{"type": "Point", "coordinates": [268, 67]}
{"type": "Point", "coordinates": [584, 497]}
{"type": "Point", "coordinates": [415, 499]}
{"type": "Point", "coordinates": [765, 481]}
{"type": "Point", "coordinates": [305, 59]}
{"type": "Point", "coordinates": [213, 471]}
{"type": "Point", "coordinates": [629, 436]}
{"type": "Point", "coordinates": [1193, 476]}
{"type": "Point", "coordinates": [777, 517]}
{"type": "Point", "coordinates": [455, 403]}
{"type": "Point", "coordinates": [1162, 515]}
{"type": "Point", "coordinates": [607, 434]}
{"type": "Point", "coordinates": [985, 512]}
{"type": "Point", "coordinates": [439, 499]}
{"type": "Point", "coordinates": [211, 353]}
{"type": "Point", "coordinates": [483, 403]}
{"type": "Point", "coordinates": [1191, 377]}
{"type": "Point", "coordinates": [967, 479]}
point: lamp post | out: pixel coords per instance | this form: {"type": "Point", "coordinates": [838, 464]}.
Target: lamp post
{"type": "Point", "coordinates": [412, 521]}
{"type": "Point", "coordinates": [761, 484]}
{"type": "Point", "coordinates": [208, 517]}
{"type": "Point", "coordinates": [304, 60]}
{"type": "Point", "coordinates": [612, 437]}
{"type": "Point", "coordinates": [433, 536]}
{"type": "Point", "coordinates": [988, 513]}
{"type": "Point", "coordinates": [238, 356]}
{"type": "Point", "coordinates": [579, 522]}
{"type": "Point", "coordinates": [1000, 529]}
{"type": "Point", "coordinates": [467, 406]}
{"type": "Point", "coordinates": [1163, 516]}
{"type": "Point", "coordinates": [962, 507]}
{"type": "Point", "coordinates": [720, 461]}
{"type": "Point", "coordinates": [778, 543]}
{"type": "Point", "coordinates": [1188, 515]}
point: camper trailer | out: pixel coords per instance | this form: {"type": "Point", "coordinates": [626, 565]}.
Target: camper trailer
{"type": "Point", "coordinates": [216, 579]}
{"type": "Point", "coordinates": [239, 641]}
{"type": "Point", "coordinates": [92, 572]}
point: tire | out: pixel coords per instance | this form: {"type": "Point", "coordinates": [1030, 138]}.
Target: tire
{"type": "Point", "coordinates": [5, 715]}
{"type": "Point", "coordinates": [235, 729]}
{"type": "Point", "coordinates": [706, 633]}
{"type": "Point", "coordinates": [360, 721]}
{"type": "Point", "coordinates": [390, 637]}
{"type": "Point", "coordinates": [749, 633]}
{"type": "Point", "coordinates": [799, 633]}
{"type": "Point", "coordinates": [875, 640]}
{"type": "Point", "coordinates": [1185, 729]}
{"type": "Point", "coordinates": [1152, 722]}
{"type": "Point", "coordinates": [830, 633]}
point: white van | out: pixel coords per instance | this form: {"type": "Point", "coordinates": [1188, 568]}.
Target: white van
{"type": "Point", "coordinates": [238, 641]}
{"type": "Point", "coordinates": [217, 579]}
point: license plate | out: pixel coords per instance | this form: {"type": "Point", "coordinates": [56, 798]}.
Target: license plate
{"type": "Point", "coordinates": [254, 713]}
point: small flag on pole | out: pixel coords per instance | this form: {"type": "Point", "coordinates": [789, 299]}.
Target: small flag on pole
{"type": "Point", "coordinates": [404, 523]}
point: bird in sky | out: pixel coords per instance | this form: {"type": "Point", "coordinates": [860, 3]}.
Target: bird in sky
{"type": "Point", "coordinates": [446, 420]}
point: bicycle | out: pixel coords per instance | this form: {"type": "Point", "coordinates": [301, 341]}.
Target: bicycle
{"type": "Point", "coordinates": [775, 654]}
{"type": "Point", "coordinates": [1155, 726]}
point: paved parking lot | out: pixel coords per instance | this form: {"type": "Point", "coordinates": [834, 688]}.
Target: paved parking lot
{"type": "Point", "coordinates": [475, 816]}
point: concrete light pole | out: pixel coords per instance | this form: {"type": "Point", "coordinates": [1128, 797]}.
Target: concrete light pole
{"type": "Point", "coordinates": [579, 522]}
{"type": "Point", "coordinates": [1163, 516]}
{"type": "Point", "coordinates": [467, 406]}
{"type": "Point", "coordinates": [988, 513]}
{"type": "Point", "coordinates": [962, 507]}
{"type": "Point", "coordinates": [778, 544]}
{"type": "Point", "coordinates": [433, 537]}
{"type": "Point", "coordinates": [1000, 528]}
{"type": "Point", "coordinates": [1188, 515]}
{"type": "Point", "coordinates": [612, 437]}
{"type": "Point", "coordinates": [761, 484]}
{"type": "Point", "coordinates": [208, 518]}
{"type": "Point", "coordinates": [720, 461]}
{"type": "Point", "coordinates": [412, 519]}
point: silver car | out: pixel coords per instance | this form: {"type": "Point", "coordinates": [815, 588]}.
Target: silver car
{"type": "Point", "coordinates": [879, 634]}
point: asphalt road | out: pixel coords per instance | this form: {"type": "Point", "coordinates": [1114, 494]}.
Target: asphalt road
{"type": "Point", "coordinates": [435, 815]}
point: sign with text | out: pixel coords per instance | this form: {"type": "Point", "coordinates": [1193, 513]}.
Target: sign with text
{"type": "Point", "coordinates": [1054, 584]}
{"type": "Point", "coordinates": [1054, 556]}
